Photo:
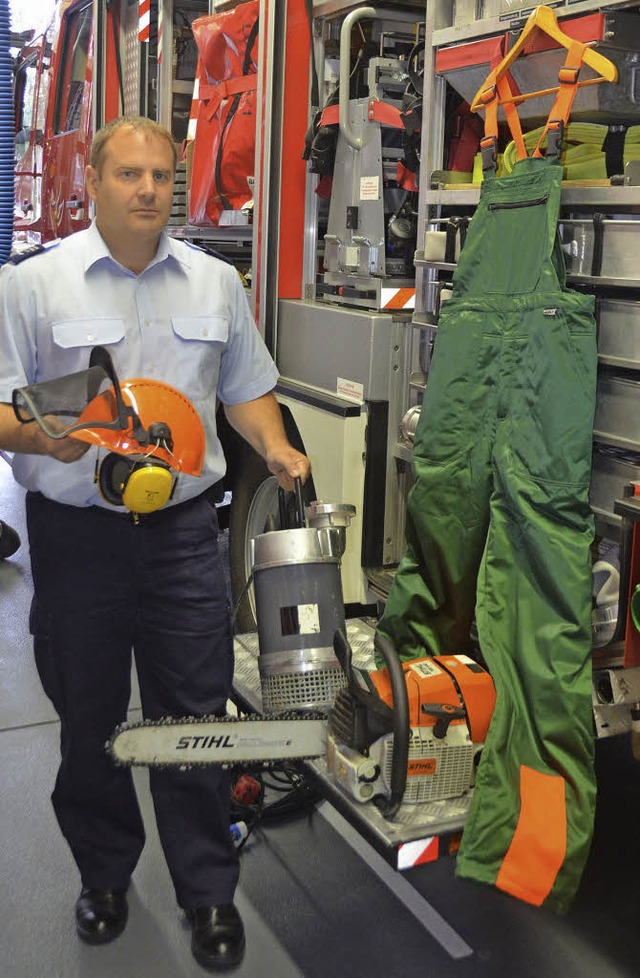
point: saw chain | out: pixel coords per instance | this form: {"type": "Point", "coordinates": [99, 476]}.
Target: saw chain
{"type": "Point", "coordinates": [226, 741]}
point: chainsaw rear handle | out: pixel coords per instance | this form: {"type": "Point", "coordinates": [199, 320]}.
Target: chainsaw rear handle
{"type": "Point", "coordinates": [401, 726]}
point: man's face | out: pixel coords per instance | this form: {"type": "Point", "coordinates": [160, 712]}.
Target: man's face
{"type": "Point", "coordinates": [133, 190]}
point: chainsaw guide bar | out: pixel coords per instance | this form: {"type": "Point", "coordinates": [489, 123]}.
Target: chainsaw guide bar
{"type": "Point", "coordinates": [227, 741]}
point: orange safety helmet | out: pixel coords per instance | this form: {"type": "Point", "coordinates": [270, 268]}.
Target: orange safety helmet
{"type": "Point", "coordinates": [150, 429]}
{"type": "Point", "coordinates": [164, 425]}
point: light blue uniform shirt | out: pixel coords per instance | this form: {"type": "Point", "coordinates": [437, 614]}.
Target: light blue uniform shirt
{"type": "Point", "coordinates": [184, 321]}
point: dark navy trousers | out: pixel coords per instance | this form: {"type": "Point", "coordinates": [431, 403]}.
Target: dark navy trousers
{"type": "Point", "coordinates": [105, 587]}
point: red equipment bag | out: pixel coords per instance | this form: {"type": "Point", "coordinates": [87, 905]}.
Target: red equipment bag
{"type": "Point", "coordinates": [224, 148]}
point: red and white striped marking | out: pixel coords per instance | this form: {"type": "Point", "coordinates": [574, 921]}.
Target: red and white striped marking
{"type": "Point", "coordinates": [160, 26]}
{"type": "Point", "coordinates": [418, 852]}
{"type": "Point", "coordinates": [398, 298]}
{"type": "Point", "coordinates": [144, 18]}
{"type": "Point", "coordinates": [193, 113]}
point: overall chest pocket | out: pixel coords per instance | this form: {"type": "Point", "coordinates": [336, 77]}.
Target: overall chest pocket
{"type": "Point", "coordinates": [201, 341]}
{"type": "Point", "coordinates": [516, 240]}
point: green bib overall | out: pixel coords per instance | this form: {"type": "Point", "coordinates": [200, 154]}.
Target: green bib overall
{"type": "Point", "coordinates": [499, 525]}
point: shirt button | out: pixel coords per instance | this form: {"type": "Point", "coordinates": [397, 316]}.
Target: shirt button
{"type": "Point", "coordinates": [90, 336]}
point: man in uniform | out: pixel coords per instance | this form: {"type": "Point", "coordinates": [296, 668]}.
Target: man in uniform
{"type": "Point", "coordinates": [104, 583]}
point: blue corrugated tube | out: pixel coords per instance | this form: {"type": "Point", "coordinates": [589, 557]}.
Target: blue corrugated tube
{"type": "Point", "coordinates": [6, 134]}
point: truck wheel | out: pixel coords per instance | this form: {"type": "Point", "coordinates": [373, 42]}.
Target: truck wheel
{"type": "Point", "coordinates": [254, 510]}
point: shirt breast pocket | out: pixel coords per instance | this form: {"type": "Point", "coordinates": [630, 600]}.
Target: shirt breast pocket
{"type": "Point", "coordinates": [73, 333]}
{"type": "Point", "coordinates": [201, 342]}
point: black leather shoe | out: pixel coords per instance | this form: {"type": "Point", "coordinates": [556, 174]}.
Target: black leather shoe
{"type": "Point", "coordinates": [9, 540]}
{"type": "Point", "coordinates": [217, 939]}
{"type": "Point", "coordinates": [101, 915]}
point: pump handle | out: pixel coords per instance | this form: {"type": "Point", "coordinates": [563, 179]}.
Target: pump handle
{"type": "Point", "coordinates": [357, 142]}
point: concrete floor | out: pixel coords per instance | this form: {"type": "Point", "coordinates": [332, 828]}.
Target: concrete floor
{"type": "Point", "coordinates": [317, 901]}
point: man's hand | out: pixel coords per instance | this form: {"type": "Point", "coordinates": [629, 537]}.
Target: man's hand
{"type": "Point", "coordinates": [62, 449]}
{"type": "Point", "coordinates": [287, 465]}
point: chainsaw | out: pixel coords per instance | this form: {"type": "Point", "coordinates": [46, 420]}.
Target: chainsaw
{"type": "Point", "coordinates": [410, 732]}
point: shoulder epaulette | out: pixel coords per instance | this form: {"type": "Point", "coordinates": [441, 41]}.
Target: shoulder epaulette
{"type": "Point", "coordinates": [32, 250]}
{"type": "Point", "coordinates": [209, 251]}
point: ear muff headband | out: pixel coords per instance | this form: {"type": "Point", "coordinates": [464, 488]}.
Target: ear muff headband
{"type": "Point", "coordinates": [143, 486]}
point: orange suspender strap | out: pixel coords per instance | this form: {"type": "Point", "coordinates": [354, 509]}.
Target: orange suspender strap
{"type": "Point", "coordinates": [561, 108]}
{"type": "Point", "coordinates": [495, 94]}
{"type": "Point", "coordinates": [500, 93]}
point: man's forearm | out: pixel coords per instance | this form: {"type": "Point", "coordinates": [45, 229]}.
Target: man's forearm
{"type": "Point", "coordinates": [30, 439]}
{"type": "Point", "coordinates": [259, 422]}
{"type": "Point", "coordinates": [17, 437]}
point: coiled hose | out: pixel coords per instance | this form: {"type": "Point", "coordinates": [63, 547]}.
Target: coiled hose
{"type": "Point", "coordinates": [6, 135]}
{"type": "Point", "coordinates": [584, 154]}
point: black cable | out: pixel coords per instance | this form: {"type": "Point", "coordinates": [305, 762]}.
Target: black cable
{"type": "Point", "coordinates": [297, 796]}
{"type": "Point", "coordinates": [241, 597]}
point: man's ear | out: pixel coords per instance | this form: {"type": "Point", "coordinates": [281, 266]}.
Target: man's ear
{"type": "Point", "coordinates": [91, 179]}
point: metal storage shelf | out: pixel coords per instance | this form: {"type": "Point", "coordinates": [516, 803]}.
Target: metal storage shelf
{"type": "Point", "coordinates": [242, 233]}
{"type": "Point", "coordinates": [616, 441]}
{"type": "Point", "coordinates": [579, 198]}
{"type": "Point", "coordinates": [441, 266]}
{"type": "Point", "coordinates": [594, 280]}
{"type": "Point", "coordinates": [424, 323]}
{"type": "Point", "coordinates": [603, 280]}
{"type": "Point", "coordinates": [512, 20]}
{"type": "Point", "coordinates": [618, 362]}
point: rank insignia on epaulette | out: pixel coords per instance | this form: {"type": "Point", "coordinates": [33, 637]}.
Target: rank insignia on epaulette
{"type": "Point", "coordinates": [29, 252]}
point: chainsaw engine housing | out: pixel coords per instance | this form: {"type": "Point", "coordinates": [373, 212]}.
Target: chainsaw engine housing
{"type": "Point", "coordinates": [450, 700]}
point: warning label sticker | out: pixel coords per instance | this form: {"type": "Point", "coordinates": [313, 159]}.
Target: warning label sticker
{"type": "Point", "coordinates": [370, 188]}
{"type": "Point", "coordinates": [350, 389]}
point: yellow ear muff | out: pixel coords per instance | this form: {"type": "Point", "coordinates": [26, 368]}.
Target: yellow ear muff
{"type": "Point", "coordinates": [148, 488]}
{"type": "Point", "coordinates": [141, 486]}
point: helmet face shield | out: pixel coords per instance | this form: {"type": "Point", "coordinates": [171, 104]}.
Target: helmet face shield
{"type": "Point", "coordinates": [146, 419]}
{"type": "Point", "coordinates": [57, 404]}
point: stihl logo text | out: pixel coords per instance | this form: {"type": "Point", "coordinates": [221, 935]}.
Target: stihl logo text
{"type": "Point", "coordinates": [424, 765]}
{"type": "Point", "coordinates": [204, 743]}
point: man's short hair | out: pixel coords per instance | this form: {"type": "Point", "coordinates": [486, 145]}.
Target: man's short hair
{"type": "Point", "coordinates": [137, 123]}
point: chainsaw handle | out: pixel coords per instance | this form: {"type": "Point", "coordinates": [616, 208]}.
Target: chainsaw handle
{"type": "Point", "coordinates": [400, 716]}
{"type": "Point", "coordinates": [342, 650]}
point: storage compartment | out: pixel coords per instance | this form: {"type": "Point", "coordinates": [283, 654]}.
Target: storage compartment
{"type": "Point", "coordinates": [617, 419]}
{"type": "Point", "coordinates": [466, 12]}
{"type": "Point", "coordinates": [616, 35]}
{"type": "Point", "coordinates": [619, 332]}
{"type": "Point", "coordinates": [602, 247]}
{"type": "Point", "coordinates": [612, 471]}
